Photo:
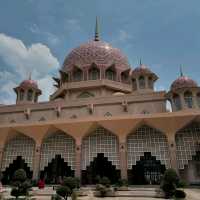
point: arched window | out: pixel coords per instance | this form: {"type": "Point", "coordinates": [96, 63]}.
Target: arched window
{"type": "Point", "coordinates": [21, 94]}
{"type": "Point", "coordinates": [134, 84]}
{"type": "Point", "coordinates": [94, 74]}
{"type": "Point", "coordinates": [124, 77]}
{"type": "Point", "coordinates": [177, 101]}
{"type": "Point", "coordinates": [110, 74]}
{"type": "Point", "coordinates": [150, 82]}
{"type": "Point", "coordinates": [198, 99]}
{"type": "Point", "coordinates": [141, 82]}
{"type": "Point", "coordinates": [188, 99]}
{"type": "Point", "coordinates": [30, 95]}
{"type": "Point", "coordinates": [78, 75]}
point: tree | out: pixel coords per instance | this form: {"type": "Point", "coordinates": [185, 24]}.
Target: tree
{"type": "Point", "coordinates": [21, 185]}
{"type": "Point", "coordinates": [169, 182]}
{"type": "Point", "coordinates": [66, 189]}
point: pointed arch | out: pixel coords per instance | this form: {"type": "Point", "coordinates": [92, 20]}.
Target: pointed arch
{"type": "Point", "coordinates": [18, 145]}
{"type": "Point", "coordinates": [94, 72]}
{"type": "Point", "coordinates": [57, 143]}
{"type": "Point", "coordinates": [100, 141]}
{"type": "Point", "coordinates": [77, 74]}
{"type": "Point", "coordinates": [188, 99]}
{"type": "Point", "coordinates": [187, 144]}
{"type": "Point", "coordinates": [147, 139]}
{"type": "Point", "coordinates": [111, 73]}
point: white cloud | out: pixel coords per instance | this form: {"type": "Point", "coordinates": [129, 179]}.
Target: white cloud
{"type": "Point", "coordinates": [46, 85]}
{"type": "Point", "coordinates": [36, 58]}
{"type": "Point", "coordinates": [22, 60]}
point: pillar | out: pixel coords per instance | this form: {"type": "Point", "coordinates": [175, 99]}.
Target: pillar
{"type": "Point", "coordinates": [146, 82]}
{"type": "Point", "coordinates": [78, 160]}
{"type": "Point", "coordinates": [36, 162]}
{"type": "Point", "coordinates": [123, 160]}
{"type": "Point", "coordinates": [172, 151]}
{"type": "Point", "coordinates": [1, 156]}
{"type": "Point", "coordinates": [183, 104]}
{"type": "Point", "coordinates": [194, 100]}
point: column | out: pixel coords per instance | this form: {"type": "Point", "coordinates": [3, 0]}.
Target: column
{"type": "Point", "coordinates": [36, 162]}
{"type": "Point", "coordinates": [123, 160]}
{"type": "Point", "coordinates": [137, 83]}
{"type": "Point", "coordinates": [78, 161]}
{"type": "Point", "coordinates": [183, 105]}
{"type": "Point", "coordinates": [172, 151]}
{"type": "Point", "coordinates": [1, 156]}
{"type": "Point", "coordinates": [146, 82]}
{"type": "Point", "coordinates": [194, 100]}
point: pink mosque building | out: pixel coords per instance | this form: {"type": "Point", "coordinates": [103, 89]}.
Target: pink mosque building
{"type": "Point", "coordinates": [104, 119]}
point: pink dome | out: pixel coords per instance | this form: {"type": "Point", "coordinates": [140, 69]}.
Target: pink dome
{"type": "Point", "coordinates": [142, 69]}
{"type": "Point", "coordinates": [29, 84]}
{"type": "Point", "coordinates": [183, 81]}
{"type": "Point", "coordinates": [98, 52]}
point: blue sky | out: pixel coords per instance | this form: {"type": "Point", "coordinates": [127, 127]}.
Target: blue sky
{"type": "Point", "coordinates": [36, 35]}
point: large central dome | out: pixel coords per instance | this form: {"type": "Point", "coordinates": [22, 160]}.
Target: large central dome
{"type": "Point", "coordinates": [98, 52]}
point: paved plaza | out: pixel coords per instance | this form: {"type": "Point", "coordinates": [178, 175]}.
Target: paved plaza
{"type": "Point", "coordinates": [192, 194]}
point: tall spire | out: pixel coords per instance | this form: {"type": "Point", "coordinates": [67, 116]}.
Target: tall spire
{"type": "Point", "coordinates": [140, 61]}
{"type": "Point", "coordinates": [181, 70]}
{"type": "Point", "coordinates": [96, 37]}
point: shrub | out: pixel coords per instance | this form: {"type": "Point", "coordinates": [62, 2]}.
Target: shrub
{"type": "Point", "coordinates": [105, 181]}
{"type": "Point", "coordinates": [169, 189]}
{"type": "Point", "coordinates": [21, 185]}
{"type": "Point", "coordinates": [179, 194]}
{"type": "Point", "coordinates": [122, 182]}
{"type": "Point", "coordinates": [170, 176]}
{"type": "Point", "coordinates": [181, 184]}
{"type": "Point", "coordinates": [169, 182]}
{"type": "Point", "coordinates": [71, 182]}
{"type": "Point", "coordinates": [68, 186]}
{"type": "Point", "coordinates": [63, 191]}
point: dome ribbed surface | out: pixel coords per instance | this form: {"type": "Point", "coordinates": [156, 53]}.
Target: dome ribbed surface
{"type": "Point", "coordinates": [98, 52]}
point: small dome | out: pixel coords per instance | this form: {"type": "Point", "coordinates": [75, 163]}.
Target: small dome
{"type": "Point", "coordinates": [143, 70]}
{"type": "Point", "coordinates": [98, 52]}
{"type": "Point", "coordinates": [29, 84]}
{"type": "Point", "coordinates": [183, 81]}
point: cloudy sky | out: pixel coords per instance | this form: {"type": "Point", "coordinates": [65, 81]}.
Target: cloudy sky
{"type": "Point", "coordinates": [36, 35]}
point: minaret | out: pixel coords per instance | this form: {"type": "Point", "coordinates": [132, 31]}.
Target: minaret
{"type": "Point", "coordinates": [96, 37]}
{"type": "Point", "coordinates": [27, 91]}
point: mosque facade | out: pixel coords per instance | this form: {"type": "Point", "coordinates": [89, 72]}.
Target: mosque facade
{"type": "Point", "coordinates": [104, 119]}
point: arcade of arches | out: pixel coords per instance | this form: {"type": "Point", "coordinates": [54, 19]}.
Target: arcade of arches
{"type": "Point", "coordinates": [141, 158]}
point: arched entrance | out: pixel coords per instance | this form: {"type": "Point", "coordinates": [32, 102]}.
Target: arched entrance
{"type": "Point", "coordinates": [188, 148]}
{"type": "Point", "coordinates": [100, 153]}
{"type": "Point", "coordinates": [148, 155]}
{"type": "Point", "coordinates": [147, 171]}
{"type": "Point", "coordinates": [18, 153]}
{"type": "Point", "coordinates": [57, 157]}
{"type": "Point", "coordinates": [100, 167]}
{"type": "Point", "coordinates": [56, 170]}
{"type": "Point", "coordinates": [19, 163]}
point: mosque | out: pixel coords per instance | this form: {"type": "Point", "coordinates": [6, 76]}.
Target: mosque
{"type": "Point", "coordinates": [104, 119]}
